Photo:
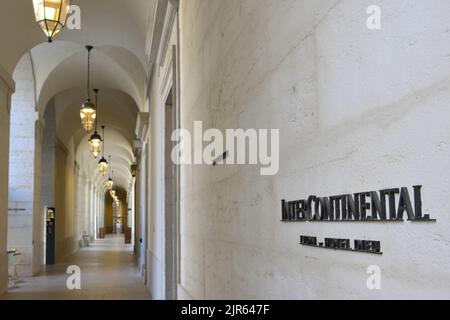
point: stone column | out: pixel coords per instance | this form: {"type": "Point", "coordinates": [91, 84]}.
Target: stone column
{"type": "Point", "coordinates": [133, 212]}
{"type": "Point", "coordinates": [97, 213]}
{"type": "Point", "coordinates": [6, 89]}
{"type": "Point", "coordinates": [101, 226]}
{"type": "Point", "coordinates": [92, 210]}
{"type": "Point", "coordinates": [94, 213]}
{"type": "Point", "coordinates": [87, 207]}
{"type": "Point", "coordinates": [75, 202]}
{"type": "Point", "coordinates": [100, 213]}
{"type": "Point", "coordinates": [78, 211]}
{"type": "Point", "coordinates": [38, 213]}
{"type": "Point", "coordinates": [82, 205]}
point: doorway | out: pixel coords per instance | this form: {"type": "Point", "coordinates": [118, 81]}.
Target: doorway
{"type": "Point", "coordinates": [50, 224]}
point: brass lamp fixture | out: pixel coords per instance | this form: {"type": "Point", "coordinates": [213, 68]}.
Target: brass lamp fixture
{"type": "Point", "coordinates": [112, 193]}
{"type": "Point", "coordinates": [103, 166]}
{"type": "Point", "coordinates": [95, 142]}
{"type": "Point", "coordinates": [51, 15]}
{"type": "Point", "coordinates": [110, 182]}
{"type": "Point", "coordinates": [134, 169]}
{"type": "Point", "coordinates": [103, 163]}
{"type": "Point", "coordinates": [88, 112]}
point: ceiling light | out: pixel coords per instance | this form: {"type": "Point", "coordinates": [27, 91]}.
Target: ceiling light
{"type": "Point", "coordinates": [134, 169]}
{"type": "Point", "coordinates": [51, 15]}
{"type": "Point", "coordinates": [95, 144]}
{"type": "Point", "coordinates": [110, 182]}
{"type": "Point", "coordinates": [88, 112]}
{"type": "Point", "coordinates": [103, 166]}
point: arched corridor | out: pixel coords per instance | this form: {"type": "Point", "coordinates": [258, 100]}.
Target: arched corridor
{"type": "Point", "coordinates": [58, 202]}
{"type": "Point", "coordinates": [158, 149]}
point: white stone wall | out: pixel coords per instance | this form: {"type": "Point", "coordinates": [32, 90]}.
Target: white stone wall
{"type": "Point", "coordinates": [21, 166]}
{"type": "Point", "coordinates": [58, 186]}
{"type": "Point", "coordinates": [358, 110]}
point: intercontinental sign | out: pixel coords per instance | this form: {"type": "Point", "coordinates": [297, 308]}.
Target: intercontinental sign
{"type": "Point", "coordinates": [389, 205]}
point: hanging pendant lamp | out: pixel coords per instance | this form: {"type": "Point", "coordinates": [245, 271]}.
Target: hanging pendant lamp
{"type": "Point", "coordinates": [51, 15]}
{"type": "Point", "coordinates": [134, 169]}
{"type": "Point", "coordinates": [88, 112]}
{"type": "Point", "coordinates": [96, 142]}
{"type": "Point", "coordinates": [112, 192]}
{"type": "Point", "coordinates": [103, 164]}
{"type": "Point", "coordinates": [110, 182]}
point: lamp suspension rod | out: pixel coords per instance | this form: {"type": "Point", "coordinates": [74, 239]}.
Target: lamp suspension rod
{"type": "Point", "coordinates": [110, 168]}
{"type": "Point", "coordinates": [103, 151]}
{"type": "Point", "coordinates": [89, 49]}
{"type": "Point", "coordinates": [96, 105]}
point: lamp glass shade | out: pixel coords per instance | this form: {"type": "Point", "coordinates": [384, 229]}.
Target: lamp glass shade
{"type": "Point", "coordinates": [88, 114]}
{"type": "Point", "coordinates": [95, 144]}
{"type": "Point", "coordinates": [103, 166]}
{"type": "Point", "coordinates": [51, 15]}
{"type": "Point", "coordinates": [112, 193]}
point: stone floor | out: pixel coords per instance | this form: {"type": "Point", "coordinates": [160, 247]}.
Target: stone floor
{"type": "Point", "coordinates": [108, 272]}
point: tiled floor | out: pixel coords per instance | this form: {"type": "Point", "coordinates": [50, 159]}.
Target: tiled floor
{"type": "Point", "coordinates": [108, 271]}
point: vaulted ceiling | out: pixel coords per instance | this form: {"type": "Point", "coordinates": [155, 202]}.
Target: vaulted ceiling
{"type": "Point", "coordinates": [118, 31]}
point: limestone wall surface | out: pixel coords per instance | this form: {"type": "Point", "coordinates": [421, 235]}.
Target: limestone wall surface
{"type": "Point", "coordinates": [357, 109]}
